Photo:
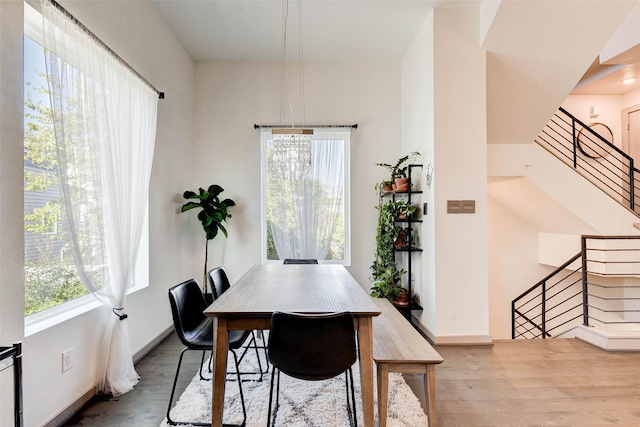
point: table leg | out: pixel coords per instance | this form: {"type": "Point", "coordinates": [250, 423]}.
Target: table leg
{"type": "Point", "coordinates": [365, 343]}
{"type": "Point", "coordinates": [383, 393]}
{"type": "Point", "coordinates": [220, 349]}
{"type": "Point", "coordinates": [430, 390]}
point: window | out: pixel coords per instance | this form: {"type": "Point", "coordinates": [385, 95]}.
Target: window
{"type": "Point", "coordinates": [306, 214]}
{"type": "Point", "coordinates": [51, 278]}
{"type": "Point", "coordinates": [50, 275]}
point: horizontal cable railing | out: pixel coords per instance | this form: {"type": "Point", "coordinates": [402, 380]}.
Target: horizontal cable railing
{"type": "Point", "coordinates": [550, 303]}
{"type": "Point", "coordinates": [590, 154]}
{"type": "Point", "coordinates": [599, 285]}
{"type": "Point", "coordinates": [611, 281]}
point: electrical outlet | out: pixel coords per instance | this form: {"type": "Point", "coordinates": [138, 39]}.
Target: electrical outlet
{"type": "Point", "coordinates": [67, 360]}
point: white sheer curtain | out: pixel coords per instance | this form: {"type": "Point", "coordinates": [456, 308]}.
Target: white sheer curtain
{"type": "Point", "coordinates": [303, 213]}
{"type": "Point", "coordinates": [105, 124]}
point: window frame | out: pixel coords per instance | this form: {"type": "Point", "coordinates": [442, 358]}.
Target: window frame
{"type": "Point", "coordinates": [343, 134]}
{"type": "Point", "coordinates": [52, 316]}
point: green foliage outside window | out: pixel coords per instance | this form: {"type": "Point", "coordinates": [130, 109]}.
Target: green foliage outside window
{"type": "Point", "coordinates": [49, 285]}
{"type": "Point", "coordinates": [277, 201]}
{"type": "Point", "coordinates": [49, 278]}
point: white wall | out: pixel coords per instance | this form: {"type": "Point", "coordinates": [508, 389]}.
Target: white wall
{"type": "Point", "coordinates": [609, 106]}
{"type": "Point", "coordinates": [513, 264]}
{"type": "Point", "coordinates": [138, 33]}
{"type": "Point", "coordinates": [444, 117]}
{"type": "Point", "coordinates": [232, 97]}
{"type": "Point", "coordinates": [11, 175]}
{"type": "Point", "coordinates": [610, 109]}
{"type": "Point", "coordinates": [631, 98]}
{"type": "Point", "coordinates": [417, 135]}
{"type": "Point", "coordinates": [537, 52]}
{"type": "Point", "coordinates": [460, 135]}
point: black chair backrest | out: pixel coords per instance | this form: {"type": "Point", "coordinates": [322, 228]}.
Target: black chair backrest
{"type": "Point", "coordinates": [300, 261]}
{"type": "Point", "coordinates": [312, 347]}
{"type": "Point", "coordinates": [219, 282]}
{"type": "Point", "coordinates": [187, 306]}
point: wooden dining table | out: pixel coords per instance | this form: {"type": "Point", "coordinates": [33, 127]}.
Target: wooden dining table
{"type": "Point", "coordinates": [309, 289]}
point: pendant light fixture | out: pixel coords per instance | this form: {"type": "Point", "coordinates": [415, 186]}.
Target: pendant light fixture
{"type": "Point", "coordinates": [291, 145]}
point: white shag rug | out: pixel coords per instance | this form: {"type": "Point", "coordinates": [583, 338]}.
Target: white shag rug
{"type": "Point", "coordinates": [302, 403]}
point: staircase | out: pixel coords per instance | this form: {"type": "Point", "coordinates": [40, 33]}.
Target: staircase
{"type": "Point", "coordinates": [594, 295]}
{"type": "Point", "coordinates": [593, 157]}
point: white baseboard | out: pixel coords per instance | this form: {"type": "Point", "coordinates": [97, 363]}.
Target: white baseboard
{"type": "Point", "coordinates": [426, 332]}
{"type": "Point", "coordinates": [153, 344]}
{"type": "Point", "coordinates": [68, 412]}
{"type": "Point", "coordinates": [610, 340]}
{"type": "Point", "coordinates": [453, 339]}
{"type": "Point", "coordinates": [463, 340]}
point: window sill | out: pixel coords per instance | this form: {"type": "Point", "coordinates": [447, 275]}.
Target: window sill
{"type": "Point", "coordinates": [53, 316]}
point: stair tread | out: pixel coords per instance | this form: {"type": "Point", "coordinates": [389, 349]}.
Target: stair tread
{"type": "Point", "coordinates": [629, 331]}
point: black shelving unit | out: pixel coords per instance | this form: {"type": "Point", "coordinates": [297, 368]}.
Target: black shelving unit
{"type": "Point", "coordinates": [408, 224]}
{"type": "Point", "coordinates": [14, 353]}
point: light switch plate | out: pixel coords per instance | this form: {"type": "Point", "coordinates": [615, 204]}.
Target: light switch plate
{"type": "Point", "coordinates": [467, 206]}
{"type": "Point", "coordinates": [453, 206]}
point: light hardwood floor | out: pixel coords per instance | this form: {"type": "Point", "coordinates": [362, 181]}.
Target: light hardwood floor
{"type": "Point", "coordinates": [146, 404]}
{"type": "Point", "coordinates": [560, 382]}
{"type": "Point", "coordinates": [553, 382]}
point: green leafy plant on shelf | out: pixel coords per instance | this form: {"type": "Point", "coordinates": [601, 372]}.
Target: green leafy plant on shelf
{"type": "Point", "coordinates": [214, 212]}
{"type": "Point", "coordinates": [399, 170]}
{"type": "Point", "coordinates": [385, 272]}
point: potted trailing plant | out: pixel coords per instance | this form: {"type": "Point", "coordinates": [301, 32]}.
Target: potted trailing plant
{"type": "Point", "coordinates": [402, 209]}
{"type": "Point", "coordinates": [386, 275]}
{"type": "Point", "coordinates": [387, 186]}
{"type": "Point", "coordinates": [213, 213]}
{"type": "Point", "coordinates": [402, 241]}
{"type": "Point", "coordinates": [401, 299]}
{"type": "Point", "coordinates": [387, 284]}
{"type": "Point", "coordinates": [384, 187]}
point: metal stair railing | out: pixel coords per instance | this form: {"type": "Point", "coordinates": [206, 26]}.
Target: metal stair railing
{"type": "Point", "coordinates": [599, 285]}
{"type": "Point", "coordinates": [598, 160]}
{"type": "Point", "coordinates": [549, 304]}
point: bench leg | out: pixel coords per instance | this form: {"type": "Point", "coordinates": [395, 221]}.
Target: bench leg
{"type": "Point", "coordinates": [383, 393]}
{"type": "Point", "coordinates": [430, 390]}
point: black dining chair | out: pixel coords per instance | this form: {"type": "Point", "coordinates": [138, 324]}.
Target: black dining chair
{"type": "Point", "coordinates": [219, 283]}
{"type": "Point", "coordinates": [312, 347]}
{"type": "Point", "coordinates": [195, 331]}
{"type": "Point", "coordinates": [300, 261]}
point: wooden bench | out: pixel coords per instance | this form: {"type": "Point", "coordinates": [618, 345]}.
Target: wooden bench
{"type": "Point", "coordinates": [398, 347]}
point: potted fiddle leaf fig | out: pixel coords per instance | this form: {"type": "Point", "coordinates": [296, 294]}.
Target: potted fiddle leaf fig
{"type": "Point", "coordinates": [214, 212]}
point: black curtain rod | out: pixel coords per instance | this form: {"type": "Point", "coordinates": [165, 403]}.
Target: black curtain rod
{"type": "Point", "coordinates": [256, 126]}
{"type": "Point", "coordinates": [104, 45]}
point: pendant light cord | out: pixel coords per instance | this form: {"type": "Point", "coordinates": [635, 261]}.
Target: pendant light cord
{"type": "Point", "coordinates": [283, 57]}
{"type": "Point", "coordinates": [301, 63]}
{"type": "Point", "coordinates": [285, 84]}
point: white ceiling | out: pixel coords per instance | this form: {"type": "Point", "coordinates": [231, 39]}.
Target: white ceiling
{"type": "Point", "coordinates": [333, 30]}
{"type": "Point", "coordinates": [606, 79]}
